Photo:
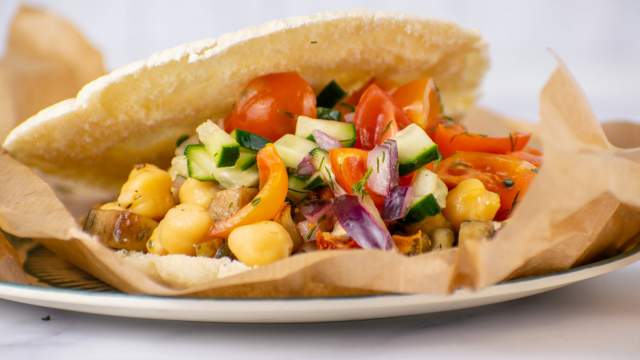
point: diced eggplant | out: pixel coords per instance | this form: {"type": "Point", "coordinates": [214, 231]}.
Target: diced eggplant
{"type": "Point", "coordinates": [441, 238]}
{"type": "Point", "coordinates": [285, 219]}
{"type": "Point", "coordinates": [410, 245]}
{"type": "Point", "coordinates": [227, 202]}
{"type": "Point", "coordinates": [475, 230]}
{"type": "Point", "coordinates": [120, 229]}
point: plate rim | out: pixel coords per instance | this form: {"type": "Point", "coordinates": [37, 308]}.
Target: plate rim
{"type": "Point", "coordinates": [621, 260]}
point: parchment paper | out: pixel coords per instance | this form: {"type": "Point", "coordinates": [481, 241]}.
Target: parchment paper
{"type": "Point", "coordinates": [582, 206]}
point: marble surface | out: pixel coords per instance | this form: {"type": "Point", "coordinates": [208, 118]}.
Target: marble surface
{"type": "Point", "coordinates": [595, 319]}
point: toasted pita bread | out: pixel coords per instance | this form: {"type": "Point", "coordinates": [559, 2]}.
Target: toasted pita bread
{"type": "Point", "coordinates": [136, 113]}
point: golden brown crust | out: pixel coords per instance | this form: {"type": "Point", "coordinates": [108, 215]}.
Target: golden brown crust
{"type": "Point", "coordinates": [136, 113]}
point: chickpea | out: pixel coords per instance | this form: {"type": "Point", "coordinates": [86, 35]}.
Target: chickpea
{"type": "Point", "coordinates": [182, 227]}
{"type": "Point", "coordinates": [147, 192]}
{"type": "Point", "coordinates": [261, 243]}
{"type": "Point", "coordinates": [111, 206]}
{"type": "Point", "coordinates": [470, 201]}
{"type": "Point", "coordinates": [197, 192]}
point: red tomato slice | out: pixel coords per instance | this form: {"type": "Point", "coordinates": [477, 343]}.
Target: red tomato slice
{"type": "Point", "coordinates": [270, 105]}
{"type": "Point", "coordinates": [377, 118]}
{"type": "Point", "coordinates": [349, 165]}
{"type": "Point", "coordinates": [452, 137]}
{"type": "Point", "coordinates": [327, 241]}
{"type": "Point", "coordinates": [505, 175]}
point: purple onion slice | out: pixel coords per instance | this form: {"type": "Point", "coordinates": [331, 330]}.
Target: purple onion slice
{"type": "Point", "coordinates": [396, 204]}
{"type": "Point", "coordinates": [306, 167]}
{"type": "Point", "coordinates": [383, 162]}
{"type": "Point", "coordinates": [360, 224]}
{"type": "Point", "coordinates": [325, 141]}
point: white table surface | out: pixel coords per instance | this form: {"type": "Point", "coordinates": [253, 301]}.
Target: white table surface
{"type": "Point", "coordinates": [595, 319]}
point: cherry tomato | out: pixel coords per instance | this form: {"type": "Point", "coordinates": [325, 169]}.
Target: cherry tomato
{"type": "Point", "coordinates": [529, 154]}
{"type": "Point", "coordinates": [505, 175]}
{"type": "Point", "coordinates": [452, 137]}
{"type": "Point", "coordinates": [377, 118]}
{"type": "Point", "coordinates": [420, 100]}
{"type": "Point", "coordinates": [349, 165]}
{"type": "Point", "coordinates": [354, 98]}
{"type": "Point", "coordinates": [327, 241]}
{"type": "Point", "coordinates": [270, 105]}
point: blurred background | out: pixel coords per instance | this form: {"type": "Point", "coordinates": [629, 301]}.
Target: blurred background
{"type": "Point", "coordinates": [599, 40]}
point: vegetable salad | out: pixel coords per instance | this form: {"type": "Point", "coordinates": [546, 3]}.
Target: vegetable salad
{"type": "Point", "coordinates": [290, 171]}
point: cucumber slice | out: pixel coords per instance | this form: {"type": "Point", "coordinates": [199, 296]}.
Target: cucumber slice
{"type": "Point", "coordinates": [234, 177]}
{"type": "Point", "coordinates": [314, 182]}
{"type": "Point", "coordinates": [179, 167]}
{"type": "Point", "coordinates": [292, 149]}
{"type": "Point", "coordinates": [249, 140]}
{"type": "Point", "coordinates": [321, 162]}
{"type": "Point", "coordinates": [341, 131]}
{"type": "Point", "coordinates": [200, 164]}
{"type": "Point", "coordinates": [330, 95]}
{"type": "Point", "coordinates": [222, 146]}
{"type": "Point", "coordinates": [415, 149]}
{"type": "Point", "coordinates": [246, 159]}
{"type": "Point", "coordinates": [428, 196]}
{"type": "Point", "coordinates": [297, 188]}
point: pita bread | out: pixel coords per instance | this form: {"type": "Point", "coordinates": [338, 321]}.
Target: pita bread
{"type": "Point", "coordinates": [136, 113]}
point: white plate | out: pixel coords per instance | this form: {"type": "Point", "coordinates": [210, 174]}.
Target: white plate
{"type": "Point", "coordinates": [298, 309]}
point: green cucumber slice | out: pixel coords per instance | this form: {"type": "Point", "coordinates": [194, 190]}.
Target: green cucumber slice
{"type": "Point", "coordinates": [428, 196]}
{"type": "Point", "coordinates": [246, 159]}
{"type": "Point", "coordinates": [222, 146]}
{"type": "Point", "coordinates": [415, 149]}
{"type": "Point", "coordinates": [297, 188]}
{"type": "Point", "coordinates": [234, 177]}
{"type": "Point", "coordinates": [200, 164]}
{"type": "Point", "coordinates": [330, 95]}
{"type": "Point", "coordinates": [292, 149]}
{"type": "Point", "coordinates": [341, 131]}
{"type": "Point", "coordinates": [249, 140]}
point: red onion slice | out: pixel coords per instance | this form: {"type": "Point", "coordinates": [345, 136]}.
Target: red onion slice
{"type": "Point", "coordinates": [396, 204]}
{"type": "Point", "coordinates": [313, 211]}
{"type": "Point", "coordinates": [306, 167]}
{"type": "Point", "coordinates": [325, 141]}
{"type": "Point", "coordinates": [349, 117]}
{"type": "Point", "coordinates": [307, 230]}
{"type": "Point", "coordinates": [383, 162]}
{"type": "Point", "coordinates": [360, 224]}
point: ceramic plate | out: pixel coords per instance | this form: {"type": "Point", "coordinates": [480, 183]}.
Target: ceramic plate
{"type": "Point", "coordinates": [71, 289]}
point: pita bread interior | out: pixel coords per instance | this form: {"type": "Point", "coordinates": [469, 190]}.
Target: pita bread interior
{"type": "Point", "coordinates": [136, 113]}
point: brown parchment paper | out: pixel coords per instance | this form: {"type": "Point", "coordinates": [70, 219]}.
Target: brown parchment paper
{"type": "Point", "coordinates": [46, 60]}
{"type": "Point", "coordinates": [582, 206]}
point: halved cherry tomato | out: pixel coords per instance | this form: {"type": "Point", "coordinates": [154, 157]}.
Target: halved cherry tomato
{"type": "Point", "coordinates": [270, 105]}
{"type": "Point", "coordinates": [420, 100]}
{"type": "Point", "coordinates": [327, 241]}
{"type": "Point", "coordinates": [529, 154]}
{"type": "Point", "coordinates": [505, 175]}
{"type": "Point", "coordinates": [354, 98]}
{"type": "Point", "coordinates": [377, 118]}
{"type": "Point", "coordinates": [452, 137]}
{"type": "Point", "coordinates": [349, 165]}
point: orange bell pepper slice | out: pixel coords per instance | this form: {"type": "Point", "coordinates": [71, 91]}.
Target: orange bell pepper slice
{"type": "Point", "coordinates": [267, 203]}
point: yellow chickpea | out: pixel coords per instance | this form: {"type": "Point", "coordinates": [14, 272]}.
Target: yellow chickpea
{"type": "Point", "coordinates": [182, 227]}
{"type": "Point", "coordinates": [470, 201]}
{"type": "Point", "coordinates": [147, 192]}
{"type": "Point", "coordinates": [261, 243]}
{"type": "Point", "coordinates": [197, 192]}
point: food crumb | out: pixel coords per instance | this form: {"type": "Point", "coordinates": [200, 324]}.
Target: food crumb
{"type": "Point", "coordinates": [46, 318]}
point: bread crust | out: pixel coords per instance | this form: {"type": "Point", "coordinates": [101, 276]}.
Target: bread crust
{"type": "Point", "coordinates": [135, 113]}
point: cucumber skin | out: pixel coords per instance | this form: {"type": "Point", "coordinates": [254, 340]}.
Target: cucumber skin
{"type": "Point", "coordinates": [228, 155]}
{"type": "Point", "coordinates": [423, 159]}
{"type": "Point", "coordinates": [249, 140]}
{"type": "Point", "coordinates": [427, 206]}
{"type": "Point", "coordinates": [187, 152]}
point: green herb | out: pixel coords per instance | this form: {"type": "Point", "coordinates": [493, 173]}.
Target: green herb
{"type": "Point", "coordinates": [230, 204]}
{"type": "Point", "coordinates": [255, 201]}
{"type": "Point", "coordinates": [386, 127]}
{"type": "Point", "coordinates": [512, 141]}
{"type": "Point", "coordinates": [507, 182]}
{"type": "Point", "coordinates": [360, 187]}
{"type": "Point", "coordinates": [181, 139]}
{"type": "Point", "coordinates": [515, 200]}
{"type": "Point", "coordinates": [378, 164]}
{"type": "Point", "coordinates": [310, 233]}
{"type": "Point", "coordinates": [535, 170]}
{"type": "Point", "coordinates": [328, 114]}
{"type": "Point", "coordinates": [330, 176]}
{"type": "Point", "coordinates": [313, 42]}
